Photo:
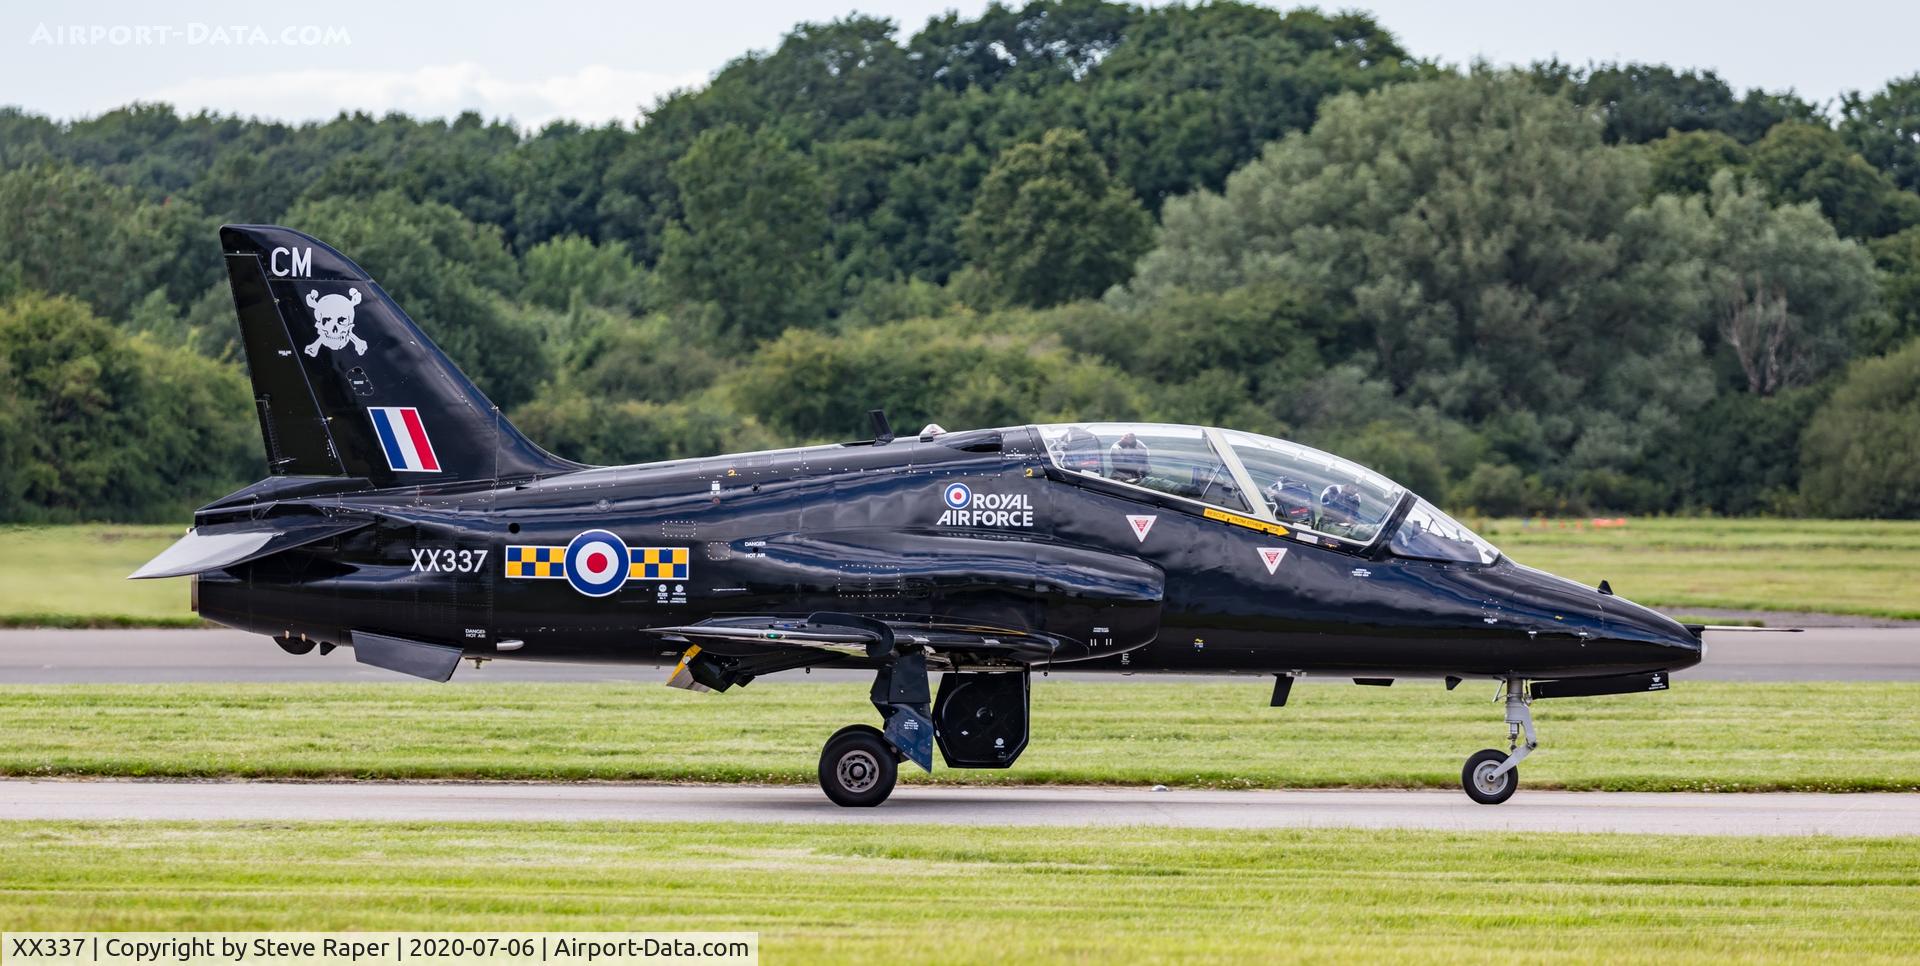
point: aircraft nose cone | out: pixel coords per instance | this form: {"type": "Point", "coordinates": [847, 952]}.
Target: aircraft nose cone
{"type": "Point", "coordinates": [1615, 633]}
{"type": "Point", "coordinates": [1645, 626]}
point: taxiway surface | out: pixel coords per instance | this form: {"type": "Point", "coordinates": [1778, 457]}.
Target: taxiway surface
{"type": "Point", "coordinates": [1528, 811]}
{"type": "Point", "coordinates": [178, 656]}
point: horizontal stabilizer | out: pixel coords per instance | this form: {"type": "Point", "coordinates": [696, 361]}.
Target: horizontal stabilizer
{"type": "Point", "coordinates": [222, 545]}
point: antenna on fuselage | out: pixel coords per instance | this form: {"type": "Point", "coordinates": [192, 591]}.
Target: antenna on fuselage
{"type": "Point", "coordinates": [882, 429]}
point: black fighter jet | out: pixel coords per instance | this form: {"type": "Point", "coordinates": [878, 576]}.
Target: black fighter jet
{"type": "Point", "coordinates": [406, 518]}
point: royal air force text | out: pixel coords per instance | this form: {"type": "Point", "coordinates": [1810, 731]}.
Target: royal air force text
{"type": "Point", "coordinates": [991, 510]}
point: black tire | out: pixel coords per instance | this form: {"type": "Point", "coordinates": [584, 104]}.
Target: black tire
{"type": "Point", "coordinates": [857, 767]}
{"type": "Point", "coordinates": [1482, 790]}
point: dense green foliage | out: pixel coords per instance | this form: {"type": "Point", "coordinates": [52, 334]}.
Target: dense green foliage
{"type": "Point", "coordinates": [1638, 103]}
{"type": "Point", "coordinates": [1884, 127]}
{"type": "Point", "coordinates": [1049, 226]}
{"type": "Point", "coordinates": [751, 242]}
{"type": "Point", "coordinates": [1478, 252]}
{"type": "Point", "coordinates": [1862, 450]}
{"type": "Point", "coordinates": [1621, 286]}
{"type": "Point", "coordinates": [94, 422]}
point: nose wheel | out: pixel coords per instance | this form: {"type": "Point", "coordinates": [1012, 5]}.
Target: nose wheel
{"type": "Point", "coordinates": [858, 767]}
{"type": "Point", "coordinates": [1485, 782]}
{"type": "Point", "coordinates": [1490, 776]}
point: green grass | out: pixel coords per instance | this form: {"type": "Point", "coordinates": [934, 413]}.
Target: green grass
{"type": "Point", "coordinates": [1699, 736]}
{"type": "Point", "coordinates": [1720, 621]}
{"type": "Point", "coordinates": [74, 576]}
{"type": "Point", "coordinates": [916, 893]}
{"type": "Point", "coordinates": [70, 622]}
{"type": "Point", "coordinates": [1865, 567]}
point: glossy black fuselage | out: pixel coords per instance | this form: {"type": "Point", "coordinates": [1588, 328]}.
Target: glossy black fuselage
{"type": "Point", "coordinates": [858, 529]}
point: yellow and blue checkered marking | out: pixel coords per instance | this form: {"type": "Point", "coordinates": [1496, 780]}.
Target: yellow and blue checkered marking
{"type": "Point", "coordinates": [644, 563]}
{"type": "Point", "coordinates": [544, 562]}
{"type": "Point", "coordinates": [659, 563]}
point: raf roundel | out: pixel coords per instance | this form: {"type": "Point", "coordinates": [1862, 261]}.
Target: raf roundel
{"type": "Point", "coordinates": [596, 563]}
{"type": "Point", "coordinates": [959, 495]}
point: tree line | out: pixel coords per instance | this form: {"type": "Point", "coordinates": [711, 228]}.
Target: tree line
{"type": "Point", "coordinates": [1624, 286]}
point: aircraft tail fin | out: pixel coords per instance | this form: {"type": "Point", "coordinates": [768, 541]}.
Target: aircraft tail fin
{"type": "Point", "coordinates": [345, 384]}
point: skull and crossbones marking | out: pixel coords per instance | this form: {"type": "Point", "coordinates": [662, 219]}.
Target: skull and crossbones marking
{"type": "Point", "coordinates": [333, 321]}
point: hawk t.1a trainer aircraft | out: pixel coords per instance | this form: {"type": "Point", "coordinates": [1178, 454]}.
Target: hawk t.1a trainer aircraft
{"type": "Point", "coordinates": [406, 518]}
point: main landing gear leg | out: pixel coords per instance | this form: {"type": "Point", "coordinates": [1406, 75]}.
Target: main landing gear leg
{"type": "Point", "coordinates": [1491, 776]}
{"type": "Point", "coordinates": [859, 764]}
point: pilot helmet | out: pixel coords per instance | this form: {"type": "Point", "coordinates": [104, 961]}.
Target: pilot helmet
{"type": "Point", "coordinates": [1130, 459]}
{"type": "Point", "coordinates": [1291, 500]}
{"type": "Point", "coordinates": [1080, 451]}
{"type": "Point", "coordinates": [1340, 503]}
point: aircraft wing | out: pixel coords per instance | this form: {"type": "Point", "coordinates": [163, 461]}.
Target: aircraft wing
{"type": "Point", "coordinates": [220, 545]}
{"type": "Point", "coordinates": [825, 634]}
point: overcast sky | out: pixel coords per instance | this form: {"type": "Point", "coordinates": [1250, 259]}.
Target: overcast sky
{"type": "Point", "coordinates": [599, 60]}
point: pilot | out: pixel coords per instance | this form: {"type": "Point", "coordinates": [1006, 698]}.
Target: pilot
{"type": "Point", "coordinates": [1291, 501]}
{"type": "Point", "coordinates": [1080, 451]}
{"type": "Point", "coordinates": [1340, 513]}
{"type": "Point", "coordinates": [1130, 459]}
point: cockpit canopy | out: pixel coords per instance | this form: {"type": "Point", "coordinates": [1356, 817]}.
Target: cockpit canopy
{"type": "Point", "coordinates": [1294, 485]}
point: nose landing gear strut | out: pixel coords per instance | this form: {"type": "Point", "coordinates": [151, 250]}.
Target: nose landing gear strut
{"type": "Point", "coordinates": [1491, 776]}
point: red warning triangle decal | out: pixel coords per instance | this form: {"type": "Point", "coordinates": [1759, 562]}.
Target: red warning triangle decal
{"type": "Point", "coordinates": [1271, 556]}
{"type": "Point", "coordinates": [1140, 525]}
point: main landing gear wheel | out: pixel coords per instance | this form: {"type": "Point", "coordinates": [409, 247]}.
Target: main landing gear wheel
{"type": "Point", "coordinates": [1484, 781]}
{"type": "Point", "coordinates": [858, 767]}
